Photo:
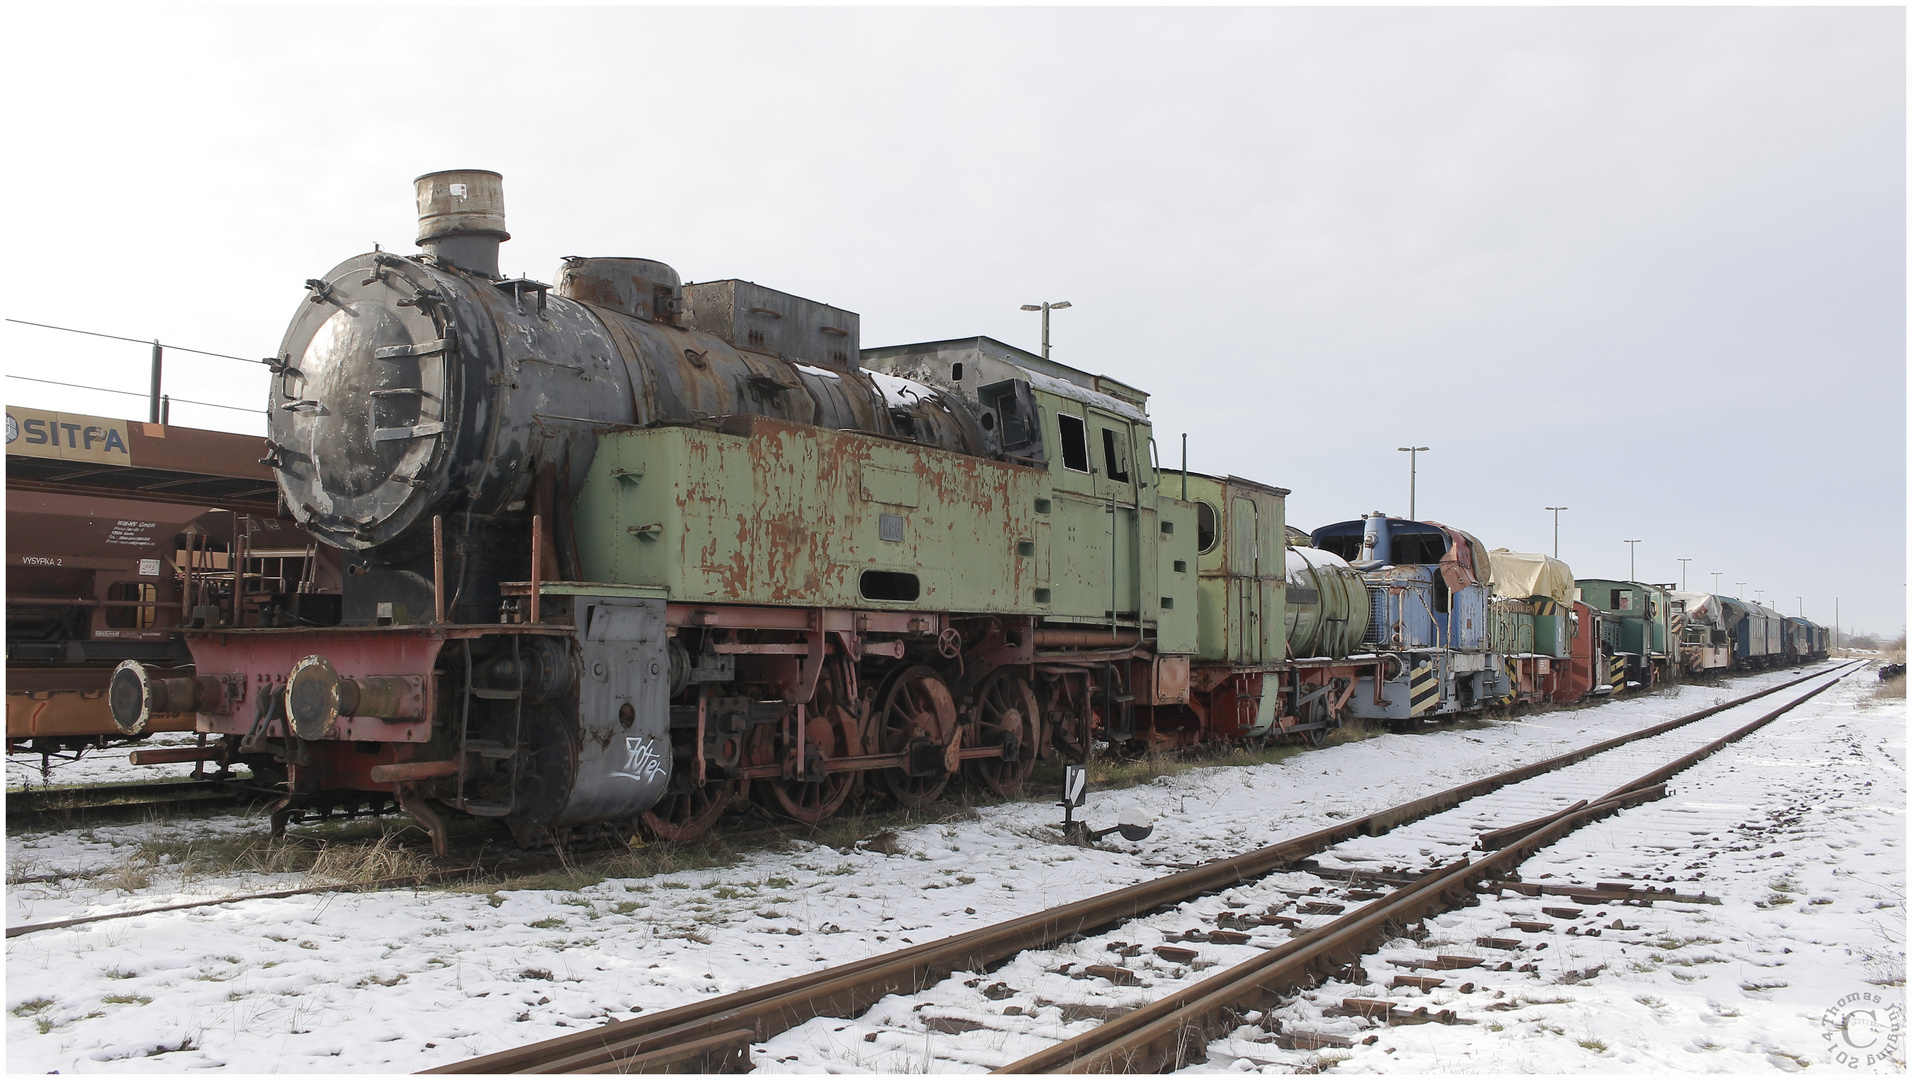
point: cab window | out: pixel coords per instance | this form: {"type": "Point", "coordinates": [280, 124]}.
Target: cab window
{"type": "Point", "coordinates": [1075, 442]}
{"type": "Point", "coordinates": [1115, 455]}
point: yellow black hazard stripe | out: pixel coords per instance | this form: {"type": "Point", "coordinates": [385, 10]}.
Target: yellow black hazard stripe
{"type": "Point", "coordinates": [1679, 621]}
{"type": "Point", "coordinates": [1423, 690]}
{"type": "Point", "coordinates": [1617, 671]}
{"type": "Point", "coordinates": [1546, 607]}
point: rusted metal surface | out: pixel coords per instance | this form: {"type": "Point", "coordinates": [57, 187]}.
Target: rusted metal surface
{"type": "Point", "coordinates": [412, 770]}
{"type": "Point", "coordinates": [1327, 605]}
{"type": "Point", "coordinates": [173, 754]}
{"type": "Point", "coordinates": [447, 394]}
{"type": "Point", "coordinates": [720, 445]}
{"type": "Point", "coordinates": [1576, 676]}
{"type": "Point", "coordinates": [770, 513]}
{"type": "Point", "coordinates": [1085, 639]}
{"type": "Point", "coordinates": [138, 693]}
{"type": "Point", "coordinates": [1167, 680]}
{"type": "Point", "coordinates": [266, 659]}
{"type": "Point", "coordinates": [537, 566]}
{"type": "Point", "coordinates": [79, 547]}
{"type": "Point", "coordinates": [461, 218]}
{"type": "Point", "coordinates": [414, 386]}
{"type": "Point", "coordinates": [438, 568]}
{"type": "Point", "coordinates": [98, 577]}
{"type": "Point", "coordinates": [749, 316]}
{"type": "Point", "coordinates": [643, 289]}
{"type": "Point", "coordinates": [162, 464]}
{"type": "Point", "coordinates": [52, 714]}
{"type": "Point", "coordinates": [316, 696]}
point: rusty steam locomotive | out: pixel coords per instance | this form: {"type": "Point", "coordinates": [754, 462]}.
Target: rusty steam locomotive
{"type": "Point", "coordinates": [624, 546]}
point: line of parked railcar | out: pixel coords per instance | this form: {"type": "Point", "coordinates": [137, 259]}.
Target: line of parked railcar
{"type": "Point", "coordinates": [121, 534]}
{"type": "Point", "coordinates": [626, 547]}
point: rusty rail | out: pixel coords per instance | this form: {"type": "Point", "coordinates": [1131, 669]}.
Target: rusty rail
{"type": "Point", "coordinates": [400, 881]}
{"type": "Point", "coordinates": [852, 988]}
{"type": "Point", "coordinates": [35, 804]}
{"type": "Point", "coordinates": [1174, 1031]}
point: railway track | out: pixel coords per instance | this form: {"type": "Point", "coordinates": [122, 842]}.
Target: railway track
{"type": "Point", "coordinates": [1175, 1030]}
{"type": "Point", "coordinates": [53, 805]}
{"type": "Point", "coordinates": [514, 865]}
{"type": "Point", "coordinates": [717, 1035]}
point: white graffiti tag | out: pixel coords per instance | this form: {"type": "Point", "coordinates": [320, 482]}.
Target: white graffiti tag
{"type": "Point", "coordinates": [645, 763]}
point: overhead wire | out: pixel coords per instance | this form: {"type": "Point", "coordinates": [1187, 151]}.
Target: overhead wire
{"type": "Point", "coordinates": [140, 341]}
{"type": "Point", "coordinates": [137, 341]}
{"type": "Point", "coordinates": [130, 393]}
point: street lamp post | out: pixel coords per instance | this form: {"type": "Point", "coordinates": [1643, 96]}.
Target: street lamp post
{"type": "Point", "coordinates": [1046, 307]}
{"type": "Point", "coordinates": [1716, 575]}
{"type": "Point", "coordinates": [1630, 550]}
{"type": "Point", "coordinates": [1802, 606]}
{"type": "Point", "coordinates": [1413, 471]}
{"type": "Point", "coordinates": [1556, 513]}
{"type": "Point", "coordinates": [1683, 563]}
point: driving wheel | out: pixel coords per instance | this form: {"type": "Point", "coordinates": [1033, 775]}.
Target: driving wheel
{"type": "Point", "coordinates": [1004, 715]}
{"type": "Point", "coordinates": [1064, 713]}
{"type": "Point", "coordinates": [915, 714]}
{"type": "Point", "coordinates": [829, 731]}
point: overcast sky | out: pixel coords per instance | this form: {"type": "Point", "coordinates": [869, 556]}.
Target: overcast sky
{"type": "Point", "coordinates": [1647, 264]}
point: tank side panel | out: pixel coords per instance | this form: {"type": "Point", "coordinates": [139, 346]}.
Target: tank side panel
{"type": "Point", "coordinates": [796, 516]}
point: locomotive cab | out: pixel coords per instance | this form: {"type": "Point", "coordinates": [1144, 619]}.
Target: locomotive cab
{"type": "Point", "coordinates": [1428, 586]}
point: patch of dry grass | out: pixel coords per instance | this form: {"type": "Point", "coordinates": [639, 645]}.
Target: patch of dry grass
{"type": "Point", "coordinates": [358, 863]}
{"type": "Point", "coordinates": [1115, 771]}
{"type": "Point", "coordinates": [1352, 730]}
{"type": "Point", "coordinates": [1892, 689]}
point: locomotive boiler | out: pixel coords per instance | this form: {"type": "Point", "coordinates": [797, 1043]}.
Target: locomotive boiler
{"type": "Point", "coordinates": [414, 388]}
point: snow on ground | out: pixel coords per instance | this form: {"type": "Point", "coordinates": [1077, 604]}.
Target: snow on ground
{"type": "Point", "coordinates": [387, 982]}
{"type": "Point", "coordinates": [98, 766]}
{"type": "Point", "coordinates": [1799, 831]}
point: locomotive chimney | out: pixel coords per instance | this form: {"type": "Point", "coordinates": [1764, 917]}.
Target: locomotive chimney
{"type": "Point", "coordinates": [461, 218]}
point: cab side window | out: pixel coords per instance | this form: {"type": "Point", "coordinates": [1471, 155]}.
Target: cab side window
{"type": "Point", "coordinates": [1115, 455]}
{"type": "Point", "coordinates": [1075, 442]}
